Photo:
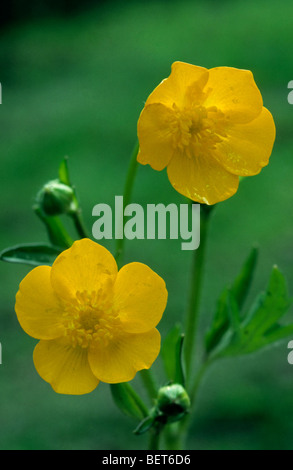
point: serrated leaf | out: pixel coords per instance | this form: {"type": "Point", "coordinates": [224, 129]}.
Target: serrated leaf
{"type": "Point", "coordinates": [242, 283]}
{"type": "Point", "coordinates": [271, 305]}
{"type": "Point", "coordinates": [171, 353]}
{"type": "Point", "coordinates": [239, 289]}
{"type": "Point", "coordinates": [220, 323]}
{"type": "Point", "coordinates": [128, 402]}
{"type": "Point", "coordinates": [34, 254]}
{"type": "Point", "coordinates": [261, 326]}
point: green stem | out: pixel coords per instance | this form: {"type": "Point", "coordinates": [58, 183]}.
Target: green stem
{"type": "Point", "coordinates": [173, 436]}
{"type": "Point", "coordinates": [185, 423]}
{"type": "Point", "coordinates": [79, 223]}
{"type": "Point", "coordinates": [146, 375]}
{"type": "Point", "coordinates": [197, 381]}
{"type": "Point", "coordinates": [195, 292]}
{"type": "Point", "coordinates": [132, 169]}
{"type": "Point", "coordinates": [136, 398]}
{"type": "Point", "coordinates": [149, 384]}
{"type": "Point", "coordinates": [56, 231]}
{"type": "Point", "coordinates": [154, 439]}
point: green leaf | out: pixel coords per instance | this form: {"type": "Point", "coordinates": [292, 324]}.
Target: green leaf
{"type": "Point", "coordinates": [233, 311]}
{"type": "Point", "coordinates": [179, 377]}
{"type": "Point", "coordinates": [260, 326]}
{"type": "Point", "coordinates": [278, 333]}
{"type": "Point", "coordinates": [270, 306]}
{"type": "Point", "coordinates": [220, 323]}
{"type": "Point", "coordinates": [239, 290]}
{"type": "Point", "coordinates": [128, 401]}
{"type": "Point", "coordinates": [171, 353]}
{"type": "Point", "coordinates": [35, 254]}
{"type": "Point", "coordinates": [64, 172]}
{"type": "Point", "coordinates": [145, 425]}
{"type": "Point", "coordinates": [167, 350]}
{"type": "Point", "coordinates": [242, 283]}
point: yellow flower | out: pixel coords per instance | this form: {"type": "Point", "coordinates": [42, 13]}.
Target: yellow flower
{"type": "Point", "coordinates": [93, 322]}
{"type": "Point", "coordinates": [208, 127]}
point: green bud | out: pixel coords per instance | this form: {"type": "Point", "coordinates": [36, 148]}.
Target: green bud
{"type": "Point", "coordinates": [173, 402]}
{"type": "Point", "coordinates": [56, 198]}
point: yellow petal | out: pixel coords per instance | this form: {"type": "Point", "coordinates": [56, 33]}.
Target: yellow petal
{"type": "Point", "coordinates": [155, 136]}
{"type": "Point", "coordinates": [201, 179]}
{"type": "Point", "coordinates": [65, 368]}
{"type": "Point", "coordinates": [173, 89]}
{"type": "Point", "coordinates": [248, 146]}
{"type": "Point", "coordinates": [140, 297]}
{"type": "Point", "coordinates": [235, 93]}
{"type": "Point", "coordinates": [83, 267]}
{"type": "Point", "coordinates": [37, 306]}
{"type": "Point", "coordinates": [124, 356]}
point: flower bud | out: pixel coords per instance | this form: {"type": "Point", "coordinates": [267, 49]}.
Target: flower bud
{"type": "Point", "coordinates": [173, 402]}
{"type": "Point", "coordinates": [56, 198]}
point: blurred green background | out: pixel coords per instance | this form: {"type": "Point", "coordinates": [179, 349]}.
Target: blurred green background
{"type": "Point", "coordinates": [74, 83]}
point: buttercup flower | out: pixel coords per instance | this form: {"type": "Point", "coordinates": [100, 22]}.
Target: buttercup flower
{"type": "Point", "coordinates": [93, 322]}
{"type": "Point", "coordinates": [208, 127]}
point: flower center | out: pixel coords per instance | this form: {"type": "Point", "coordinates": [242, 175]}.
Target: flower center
{"type": "Point", "coordinates": [90, 317]}
{"type": "Point", "coordinates": [197, 130]}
